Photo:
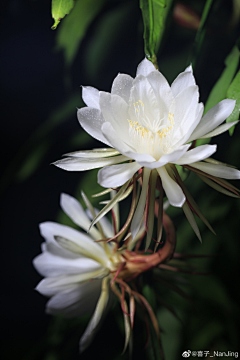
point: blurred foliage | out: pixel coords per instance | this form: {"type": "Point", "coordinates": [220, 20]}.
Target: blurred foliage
{"type": "Point", "coordinates": [233, 92]}
{"type": "Point", "coordinates": [226, 86]}
{"type": "Point", "coordinates": [74, 27]}
{"type": "Point", "coordinates": [220, 89]}
{"type": "Point", "coordinates": [201, 32]}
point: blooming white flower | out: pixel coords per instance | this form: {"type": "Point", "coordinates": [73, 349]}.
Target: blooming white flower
{"type": "Point", "coordinates": [149, 124]}
{"type": "Point", "coordinates": [76, 268]}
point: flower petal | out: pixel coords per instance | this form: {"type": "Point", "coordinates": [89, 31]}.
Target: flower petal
{"type": "Point", "coordinates": [49, 264]}
{"type": "Point", "coordinates": [186, 110]}
{"type": "Point", "coordinates": [199, 153]}
{"type": "Point", "coordinates": [173, 191]}
{"type": "Point", "coordinates": [101, 152]}
{"type": "Point", "coordinates": [52, 285]}
{"type": "Point", "coordinates": [219, 130]}
{"type": "Point", "coordinates": [91, 121]}
{"type": "Point", "coordinates": [214, 117]}
{"type": "Point", "coordinates": [76, 301]}
{"type": "Point", "coordinates": [83, 242]}
{"type": "Point", "coordinates": [122, 85]}
{"type": "Point", "coordinates": [220, 171]}
{"type": "Point", "coordinates": [138, 215]}
{"type": "Point", "coordinates": [90, 96]}
{"type": "Point", "coordinates": [162, 91]}
{"type": "Point", "coordinates": [115, 111]}
{"type": "Point", "coordinates": [116, 175]}
{"type": "Point", "coordinates": [82, 164]}
{"type": "Point", "coordinates": [189, 130]}
{"type": "Point", "coordinates": [142, 94]}
{"type": "Point", "coordinates": [76, 213]}
{"type": "Point", "coordinates": [92, 327]}
{"type": "Point", "coordinates": [167, 158]}
{"type": "Point", "coordinates": [145, 67]}
{"type": "Point", "coordinates": [182, 81]}
{"type": "Point", "coordinates": [123, 148]}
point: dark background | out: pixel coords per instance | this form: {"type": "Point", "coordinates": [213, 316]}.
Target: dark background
{"type": "Point", "coordinates": [35, 85]}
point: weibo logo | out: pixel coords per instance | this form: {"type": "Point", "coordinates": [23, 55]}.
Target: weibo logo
{"type": "Point", "coordinates": [186, 354]}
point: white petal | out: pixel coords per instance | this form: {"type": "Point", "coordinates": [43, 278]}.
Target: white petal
{"type": "Point", "coordinates": [167, 158]}
{"type": "Point", "coordinates": [184, 80]}
{"type": "Point", "coordinates": [47, 231]}
{"type": "Point", "coordinates": [186, 104]}
{"type": "Point", "coordinates": [189, 68]}
{"type": "Point", "coordinates": [52, 285]}
{"type": "Point", "coordinates": [76, 301]}
{"type": "Point", "coordinates": [105, 223]}
{"type": "Point", "coordinates": [221, 171]}
{"type": "Point", "coordinates": [49, 265]}
{"type": "Point", "coordinates": [117, 175]}
{"type": "Point", "coordinates": [199, 153]}
{"type": "Point", "coordinates": [143, 92]}
{"type": "Point", "coordinates": [123, 148]}
{"type": "Point", "coordinates": [122, 85]}
{"type": "Point", "coordinates": [75, 211]}
{"type": "Point", "coordinates": [90, 96]}
{"type": "Point", "coordinates": [82, 164]}
{"type": "Point", "coordinates": [214, 117]}
{"type": "Point", "coordinates": [173, 191]}
{"type": "Point", "coordinates": [162, 91]}
{"type": "Point", "coordinates": [89, 248]}
{"type": "Point", "coordinates": [91, 121]}
{"type": "Point", "coordinates": [145, 67]}
{"type": "Point", "coordinates": [115, 111]}
{"type": "Point", "coordinates": [138, 215]}
{"type": "Point", "coordinates": [101, 152]}
{"type": "Point", "coordinates": [97, 316]}
{"type": "Point", "coordinates": [53, 248]}
{"type": "Point", "coordinates": [189, 129]}
{"type": "Point", "coordinates": [219, 130]}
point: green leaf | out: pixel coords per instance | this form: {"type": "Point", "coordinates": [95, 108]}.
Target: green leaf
{"type": "Point", "coordinates": [219, 91]}
{"type": "Point", "coordinates": [233, 92]}
{"type": "Point", "coordinates": [60, 8]}
{"type": "Point", "coordinates": [154, 14]}
{"type": "Point", "coordinates": [75, 26]}
{"type": "Point", "coordinates": [201, 32]}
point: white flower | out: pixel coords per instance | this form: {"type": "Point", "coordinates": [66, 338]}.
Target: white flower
{"type": "Point", "coordinates": [149, 124]}
{"type": "Point", "coordinates": [76, 268]}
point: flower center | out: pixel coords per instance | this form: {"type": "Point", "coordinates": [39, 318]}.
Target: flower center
{"type": "Point", "coordinates": [150, 135]}
{"type": "Point", "coordinates": [114, 261]}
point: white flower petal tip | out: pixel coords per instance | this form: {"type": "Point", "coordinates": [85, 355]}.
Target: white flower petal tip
{"type": "Point", "coordinates": [145, 67]}
{"type": "Point", "coordinates": [90, 96]}
{"type": "Point", "coordinates": [173, 191]}
{"type": "Point", "coordinates": [213, 118]}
